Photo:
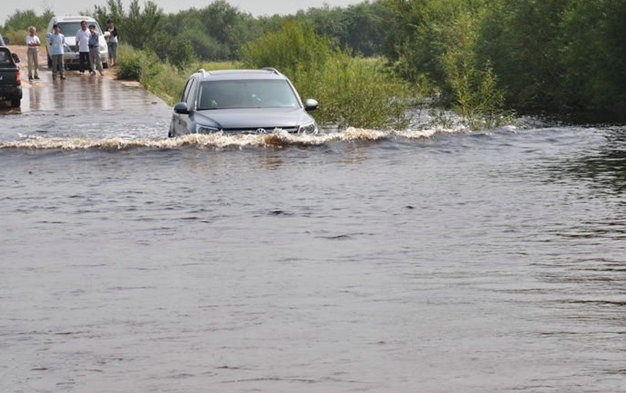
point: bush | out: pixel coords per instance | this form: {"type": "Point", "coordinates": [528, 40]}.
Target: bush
{"type": "Point", "coordinates": [160, 77]}
{"type": "Point", "coordinates": [15, 37]}
{"type": "Point", "coordinates": [130, 63]}
{"type": "Point", "coordinates": [352, 91]}
{"type": "Point", "coordinates": [20, 21]}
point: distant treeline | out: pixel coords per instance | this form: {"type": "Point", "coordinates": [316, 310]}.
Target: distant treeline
{"type": "Point", "coordinates": [554, 56]}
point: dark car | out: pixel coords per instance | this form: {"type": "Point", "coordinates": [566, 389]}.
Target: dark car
{"type": "Point", "coordinates": [10, 82]}
{"type": "Point", "coordinates": [241, 101]}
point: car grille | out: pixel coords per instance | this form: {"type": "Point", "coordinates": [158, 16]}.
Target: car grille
{"type": "Point", "coordinates": [260, 130]}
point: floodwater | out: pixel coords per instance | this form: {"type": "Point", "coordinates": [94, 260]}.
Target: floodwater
{"type": "Point", "coordinates": [430, 260]}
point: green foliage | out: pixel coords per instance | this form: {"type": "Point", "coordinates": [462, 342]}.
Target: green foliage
{"type": "Point", "coordinates": [441, 51]}
{"type": "Point", "coordinates": [21, 20]}
{"type": "Point", "coordinates": [357, 28]}
{"type": "Point", "coordinates": [538, 56]}
{"type": "Point", "coordinates": [17, 37]}
{"type": "Point", "coordinates": [358, 92]}
{"type": "Point", "coordinates": [294, 48]}
{"type": "Point", "coordinates": [161, 78]}
{"type": "Point", "coordinates": [519, 40]}
{"type": "Point", "coordinates": [16, 26]}
{"type": "Point", "coordinates": [593, 47]}
{"type": "Point", "coordinates": [352, 91]}
{"type": "Point", "coordinates": [130, 63]}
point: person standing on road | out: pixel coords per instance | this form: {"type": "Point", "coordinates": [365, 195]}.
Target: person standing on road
{"type": "Point", "coordinates": [57, 40]}
{"type": "Point", "coordinates": [94, 51]}
{"type": "Point", "coordinates": [32, 53]}
{"type": "Point", "coordinates": [82, 46]}
{"type": "Point", "coordinates": [111, 36]}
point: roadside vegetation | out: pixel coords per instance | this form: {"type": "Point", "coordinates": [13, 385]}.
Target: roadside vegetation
{"type": "Point", "coordinates": [16, 27]}
{"type": "Point", "coordinates": [162, 78]}
{"type": "Point", "coordinates": [366, 63]}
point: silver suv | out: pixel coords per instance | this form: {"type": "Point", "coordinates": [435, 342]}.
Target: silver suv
{"type": "Point", "coordinates": [241, 101]}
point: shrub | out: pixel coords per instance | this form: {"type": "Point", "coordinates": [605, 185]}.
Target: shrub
{"type": "Point", "coordinates": [15, 37]}
{"type": "Point", "coordinates": [352, 91]}
{"type": "Point", "coordinates": [130, 63]}
{"type": "Point", "coordinates": [159, 77]}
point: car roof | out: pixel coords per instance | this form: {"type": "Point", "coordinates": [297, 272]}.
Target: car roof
{"type": "Point", "coordinates": [265, 73]}
{"type": "Point", "coordinates": [77, 18]}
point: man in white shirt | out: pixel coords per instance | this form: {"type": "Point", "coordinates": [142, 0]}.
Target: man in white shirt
{"type": "Point", "coordinates": [82, 46]}
{"type": "Point", "coordinates": [32, 53]}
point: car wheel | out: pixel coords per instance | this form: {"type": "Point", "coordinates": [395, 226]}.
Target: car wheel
{"type": "Point", "coordinates": [15, 102]}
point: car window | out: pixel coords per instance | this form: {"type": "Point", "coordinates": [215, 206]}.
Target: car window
{"type": "Point", "coordinates": [183, 95]}
{"type": "Point", "coordinates": [191, 94]}
{"type": "Point", "coordinates": [253, 93]}
{"type": "Point", "coordinates": [5, 59]}
{"type": "Point", "coordinates": [69, 29]}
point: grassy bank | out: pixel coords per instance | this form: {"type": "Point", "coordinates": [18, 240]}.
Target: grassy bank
{"type": "Point", "coordinates": [160, 77]}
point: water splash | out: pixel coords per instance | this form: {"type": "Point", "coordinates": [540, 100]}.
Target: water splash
{"type": "Point", "coordinates": [219, 140]}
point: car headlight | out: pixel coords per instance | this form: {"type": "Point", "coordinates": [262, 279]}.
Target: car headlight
{"type": "Point", "coordinates": [308, 128]}
{"type": "Point", "coordinates": [202, 129]}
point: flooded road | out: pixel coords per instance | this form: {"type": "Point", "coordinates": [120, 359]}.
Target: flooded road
{"type": "Point", "coordinates": [424, 261]}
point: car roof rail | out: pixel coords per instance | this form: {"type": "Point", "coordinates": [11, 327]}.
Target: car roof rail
{"type": "Point", "coordinates": [272, 69]}
{"type": "Point", "coordinates": [202, 71]}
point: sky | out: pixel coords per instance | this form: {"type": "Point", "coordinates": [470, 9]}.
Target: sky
{"type": "Point", "coordinates": [255, 7]}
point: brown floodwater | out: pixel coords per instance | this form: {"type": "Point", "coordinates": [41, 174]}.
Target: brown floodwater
{"type": "Point", "coordinates": [424, 260]}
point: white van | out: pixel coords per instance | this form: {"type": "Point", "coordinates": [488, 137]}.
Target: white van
{"type": "Point", "coordinates": [69, 26]}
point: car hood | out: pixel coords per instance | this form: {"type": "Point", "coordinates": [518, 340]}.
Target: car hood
{"type": "Point", "coordinates": [250, 118]}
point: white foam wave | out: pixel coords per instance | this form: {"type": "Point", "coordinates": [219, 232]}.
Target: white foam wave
{"type": "Point", "coordinates": [278, 138]}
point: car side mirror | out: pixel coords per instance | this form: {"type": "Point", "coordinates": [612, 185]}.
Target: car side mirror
{"type": "Point", "coordinates": [181, 108]}
{"type": "Point", "coordinates": [15, 58]}
{"type": "Point", "coordinates": [310, 105]}
{"type": "Point", "coordinates": [7, 41]}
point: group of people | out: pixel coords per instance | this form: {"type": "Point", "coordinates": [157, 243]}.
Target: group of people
{"type": "Point", "coordinates": [87, 46]}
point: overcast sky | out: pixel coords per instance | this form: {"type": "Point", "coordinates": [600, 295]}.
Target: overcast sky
{"type": "Point", "coordinates": [255, 7]}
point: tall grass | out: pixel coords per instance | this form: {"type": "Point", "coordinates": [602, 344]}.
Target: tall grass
{"type": "Point", "coordinates": [160, 77]}
{"type": "Point", "coordinates": [16, 26]}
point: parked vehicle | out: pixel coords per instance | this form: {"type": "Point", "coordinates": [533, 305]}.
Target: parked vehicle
{"type": "Point", "coordinates": [10, 82]}
{"type": "Point", "coordinates": [69, 26]}
{"type": "Point", "coordinates": [241, 101]}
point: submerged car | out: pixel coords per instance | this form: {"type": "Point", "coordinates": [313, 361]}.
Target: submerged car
{"type": "Point", "coordinates": [69, 26]}
{"type": "Point", "coordinates": [241, 101]}
{"type": "Point", "coordinates": [10, 83]}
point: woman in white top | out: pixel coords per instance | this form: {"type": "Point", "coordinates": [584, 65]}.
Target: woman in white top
{"type": "Point", "coordinates": [33, 53]}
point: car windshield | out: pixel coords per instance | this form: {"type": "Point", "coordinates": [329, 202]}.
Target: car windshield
{"type": "Point", "coordinates": [69, 29]}
{"type": "Point", "coordinates": [251, 93]}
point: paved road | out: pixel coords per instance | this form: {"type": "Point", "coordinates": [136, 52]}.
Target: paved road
{"type": "Point", "coordinates": [82, 106]}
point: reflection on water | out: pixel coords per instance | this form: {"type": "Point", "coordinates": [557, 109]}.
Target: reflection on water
{"type": "Point", "coordinates": [606, 167]}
